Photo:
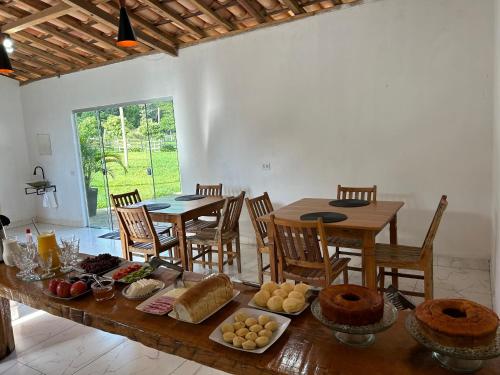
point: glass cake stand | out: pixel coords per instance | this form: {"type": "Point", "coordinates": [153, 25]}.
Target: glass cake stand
{"type": "Point", "coordinates": [358, 336]}
{"type": "Point", "coordinates": [463, 360]}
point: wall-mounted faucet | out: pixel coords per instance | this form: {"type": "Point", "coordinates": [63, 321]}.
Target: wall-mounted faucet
{"type": "Point", "coordinates": [43, 173]}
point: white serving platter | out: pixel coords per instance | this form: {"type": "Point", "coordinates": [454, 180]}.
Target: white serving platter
{"type": "Point", "coordinates": [282, 321]}
{"type": "Point", "coordinates": [255, 306]}
{"type": "Point", "coordinates": [236, 293]}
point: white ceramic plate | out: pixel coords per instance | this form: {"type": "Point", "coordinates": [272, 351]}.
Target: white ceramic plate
{"type": "Point", "coordinates": [160, 286]}
{"type": "Point", "coordinates": [282, 321]}
{"type": "Point", "coordinates": [254, 305]}
{"type": "Point", "coordinates": [236, 293]}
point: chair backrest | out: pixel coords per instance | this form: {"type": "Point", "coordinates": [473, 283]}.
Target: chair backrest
{"type": "Point", "coordinates": [431, 233]}
{"type": "Point", "coordinates": [230, 214]}
{"type": "Point", "coordinates": [137, 224]}
{"type": "Point", "coordinates": [209, 190]}
{"type": "Point", "coordinates": [125, 199]}
{"type": "Point", "coordinates": [257, 207]}
{"type": "Point", "coordinates": [366, 193]}
{"type": "Point", "coordinates": [300, 243]}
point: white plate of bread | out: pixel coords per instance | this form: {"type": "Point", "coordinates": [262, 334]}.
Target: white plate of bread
{"type": "Point", "coordinates": [204, 299]}
{"type": "Point", "coordinates": [250, 330]}
{"type": "Point", "coordinates": [285, 298]}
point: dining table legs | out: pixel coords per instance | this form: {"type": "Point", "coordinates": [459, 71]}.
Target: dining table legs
{"type": "Point", "coordinates": [7, 344]}
{"type": "Point", "coordinates": [393, 237]}
{"type": "Point", "coordinates": [181, 235]}
{"type": "Point", "coordinates": [369, 263]}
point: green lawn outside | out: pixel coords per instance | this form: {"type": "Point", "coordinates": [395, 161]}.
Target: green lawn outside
{"type": "Point", "coordinates": [166, 175]}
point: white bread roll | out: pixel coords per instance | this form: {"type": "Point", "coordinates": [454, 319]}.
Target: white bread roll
{"type": "Point", "coordinates": [203, 298]}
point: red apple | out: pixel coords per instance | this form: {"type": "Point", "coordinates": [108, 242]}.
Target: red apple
{"type": "Point", "coordinates": [63, 289]}
{"type": "Point", "coordinates": [78, 288]}
{"type": "Point", "coordinates": [53, 285]}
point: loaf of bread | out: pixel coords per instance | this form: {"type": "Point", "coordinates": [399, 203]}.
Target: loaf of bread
{"type": "Point", "coordinates": [203, 298]}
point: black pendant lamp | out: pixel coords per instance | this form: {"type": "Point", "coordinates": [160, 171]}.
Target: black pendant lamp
{"type": "Point", "coordinates": [5, 66]}
{"type": "Point", "coordinates": [126, 36]}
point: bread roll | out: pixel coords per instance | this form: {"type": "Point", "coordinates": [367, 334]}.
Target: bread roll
{"type": "Point", "coordinates": [203, 298]}
{"type": "Point", "coordinates": [240, 317]}
{"type": "Point", "coordinates": [238, 341]}
{"type": "Point", "coordinates": [261, 298]}
{"type": "Point", "coordinates": [275, 303]}
{"type": "Point", "coordinates": [249, 345]}
{"type": "Point", "coordinates": [263, 319]}
{"type": "Point", "coordinates": [296, 295]}
{"type": "Point", "coordinates": [301, 288]}
{"type": "Point", "coordinates": [238, 325]}
{"type": "Point", "coordinates": [228, 336]}
{"type": "Point", "coordinates": [287, 287]}
{"type": "Point", "coordinates": [265, 332]}
{"type": "Point", "coordinates": [227, 327]}
{"type": "Point", "coordinates": [280, 293]}
{"type": "Point", "coordinates": [242, 332]}
{"type": "Point", "coordinates": [270, 286]}
{"type": "Point", "coordinates": [250, 322]}
{"type": "Point", "coordinates": [251, 336]}
{"type": "Point", "coordinates": [292, 305]}
{"type": "Point", "coordinates": [256, 328]}
{"type": "Point", "coordinates": [272, 326]}
{"type": "Point", "coordinates": [262, 341]}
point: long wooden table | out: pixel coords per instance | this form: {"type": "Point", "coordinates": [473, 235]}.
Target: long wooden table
{"type": "Point", "coordinates": [179, 213]}
{"type": "Point", "coordinates": [307, 347]}
{"type": "Point", "coordinates": [362, 223]}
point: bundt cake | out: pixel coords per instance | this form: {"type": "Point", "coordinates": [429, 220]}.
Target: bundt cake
{"type": "Point", "coordinates": [351, 304]}
{"type": "Point", "coordinates": [457, 322]}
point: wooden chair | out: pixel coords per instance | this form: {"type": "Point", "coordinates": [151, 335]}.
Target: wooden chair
{"type": "Point", "coordinates": [304, 257]}
{"type": "Point", "coordinates": [196, 225]}
{"type": "Point", "coordinates": [223, 235]}
{"type": "Point", "coordinates": [412, 258]}
{"type": "Point", "coordinates": [257, 207]}
{"type": "Point", "coordinates": [133, 197]}
{"type": "Point", "coordinates": [141, 237]}
{"type": "Point", "coordinates": [344, 192]}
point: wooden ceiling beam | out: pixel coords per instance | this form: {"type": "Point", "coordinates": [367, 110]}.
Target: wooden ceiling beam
{"type": "Point", "coordinates": [98, 14]}
{"type": "Point", "coordinates": [36, 18]}
{"type": "Point", "coordinates": [294, 6]}
{"type": "Point", "coordinates": [148, 27]}
{"type": "Point", "coordinates": [17, 65]}
{"type": "Point", "coordinates": [67, 38]}
{"type": "Point", "coordinates": [212, 14]}
{"type": "Point", "coordinates": [32, 60]}
{"type": "Point", "coordinates": [37, 51]}
{"type": "Point", "coordinates": [164, 11]}
{"type": "Point", "coordinates": [62, 51]}
{"type": "Point", "coordinates": [251, 10]}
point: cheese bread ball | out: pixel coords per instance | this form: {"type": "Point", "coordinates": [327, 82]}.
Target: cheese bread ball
{"type": "Point", "coordinates": [265, 332]}
{"type": "Point", "coordinates": [272, 326]}
{"type": "Point", "coordinates": [249, 345]}
{"type": "Point", "coordinates": [242, 332]}
{"type": "Point", "coordinates": [256, 328]}
{"type": "Point", "coordinates": [270, 286]}
{"type": "Point", "coordinates": [260, 298]}
{"type": "Point", "coordinates": [238, 341]}
{"type": "Point", "coordinates": [263, 319]}
{"type": "Point", "coordinates": [287, 287]}
{"type": "Point", "coordinates": [227, 327]}
{"type": "Point", "coordinates": [238, 325]}
{"type": "Point", "coordinates": [275, 303]}
{"type": "Point", "coordinates": [292, 305]}
{"type": "Point", "coordinates": [251, 336]}
{"type": "Point", "coordinates": [228, 336]}
{"type": "Point", "coordinates": [240, 317]}
{"type": "Point", "coordinates": [262, 341]}
{"type": "Point", "coordinates": [250, 322]}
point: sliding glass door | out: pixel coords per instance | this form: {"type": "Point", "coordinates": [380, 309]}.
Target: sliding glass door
{"type": "Point", "coordinates": [124, 148]}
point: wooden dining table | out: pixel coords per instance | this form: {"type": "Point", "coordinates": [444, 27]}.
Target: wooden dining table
{"type": "Point", "coordinates": [307, 347]}
{"type": "Point", "coordinates": [363, 223]}
{"type": "Point", "coordinates": [178, 213]}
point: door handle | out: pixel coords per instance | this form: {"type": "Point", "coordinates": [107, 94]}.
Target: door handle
{"type": "Point", "coordinates": [149, 171]}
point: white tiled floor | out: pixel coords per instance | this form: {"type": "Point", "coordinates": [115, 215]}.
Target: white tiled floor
{"type": "Point", "coordinates": [54, 346]}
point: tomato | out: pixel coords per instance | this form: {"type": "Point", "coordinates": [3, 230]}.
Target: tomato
{"type": "Point", "coordinates": [78, 288]}
{"type": "Point", "coordinates": [64, 289]}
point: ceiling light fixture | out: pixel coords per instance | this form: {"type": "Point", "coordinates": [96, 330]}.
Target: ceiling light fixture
{"type": "Point", "coordinates": [126, 36]}
{"type": "Point", "coordinates": [5, 66]}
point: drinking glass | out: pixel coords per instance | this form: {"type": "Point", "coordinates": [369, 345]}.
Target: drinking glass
{"type": "Point", "coordinates": [24, 259]}
{"type": "Point", "coordinates": [73, 244]}
{"type": "Point", "coordinates": [45, 264]}
{"type": "Point", "coordinates": [65, 255]}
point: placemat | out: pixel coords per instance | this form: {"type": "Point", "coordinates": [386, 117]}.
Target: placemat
{"type": "Point", "coordinates": [349, 203]}
{"type": "Point", "coordinates": [191, 197]}
{"type": "Point", "coordinates": [328, 217]}
{"type": "Point", "coordinates": [157, 206]}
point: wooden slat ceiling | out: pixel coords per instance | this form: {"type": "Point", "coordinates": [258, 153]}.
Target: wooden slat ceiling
{"type": "Point", "coordinates": [55, 37]}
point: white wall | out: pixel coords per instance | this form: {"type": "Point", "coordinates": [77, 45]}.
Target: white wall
{"type": "Point", "coordinates": [15, 168]}
{"type": "Point", "coordinates": [396, 93]}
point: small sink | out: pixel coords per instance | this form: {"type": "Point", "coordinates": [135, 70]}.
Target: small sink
{"type": "Point", "coordinates": [38, 184]}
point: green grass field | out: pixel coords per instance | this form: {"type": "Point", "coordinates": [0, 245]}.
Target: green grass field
{"type": "Point", "coordinates": [166, 176]}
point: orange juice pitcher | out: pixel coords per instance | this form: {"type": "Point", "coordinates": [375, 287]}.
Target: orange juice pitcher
{"type": "Point", "coordinates": [47, 244]}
